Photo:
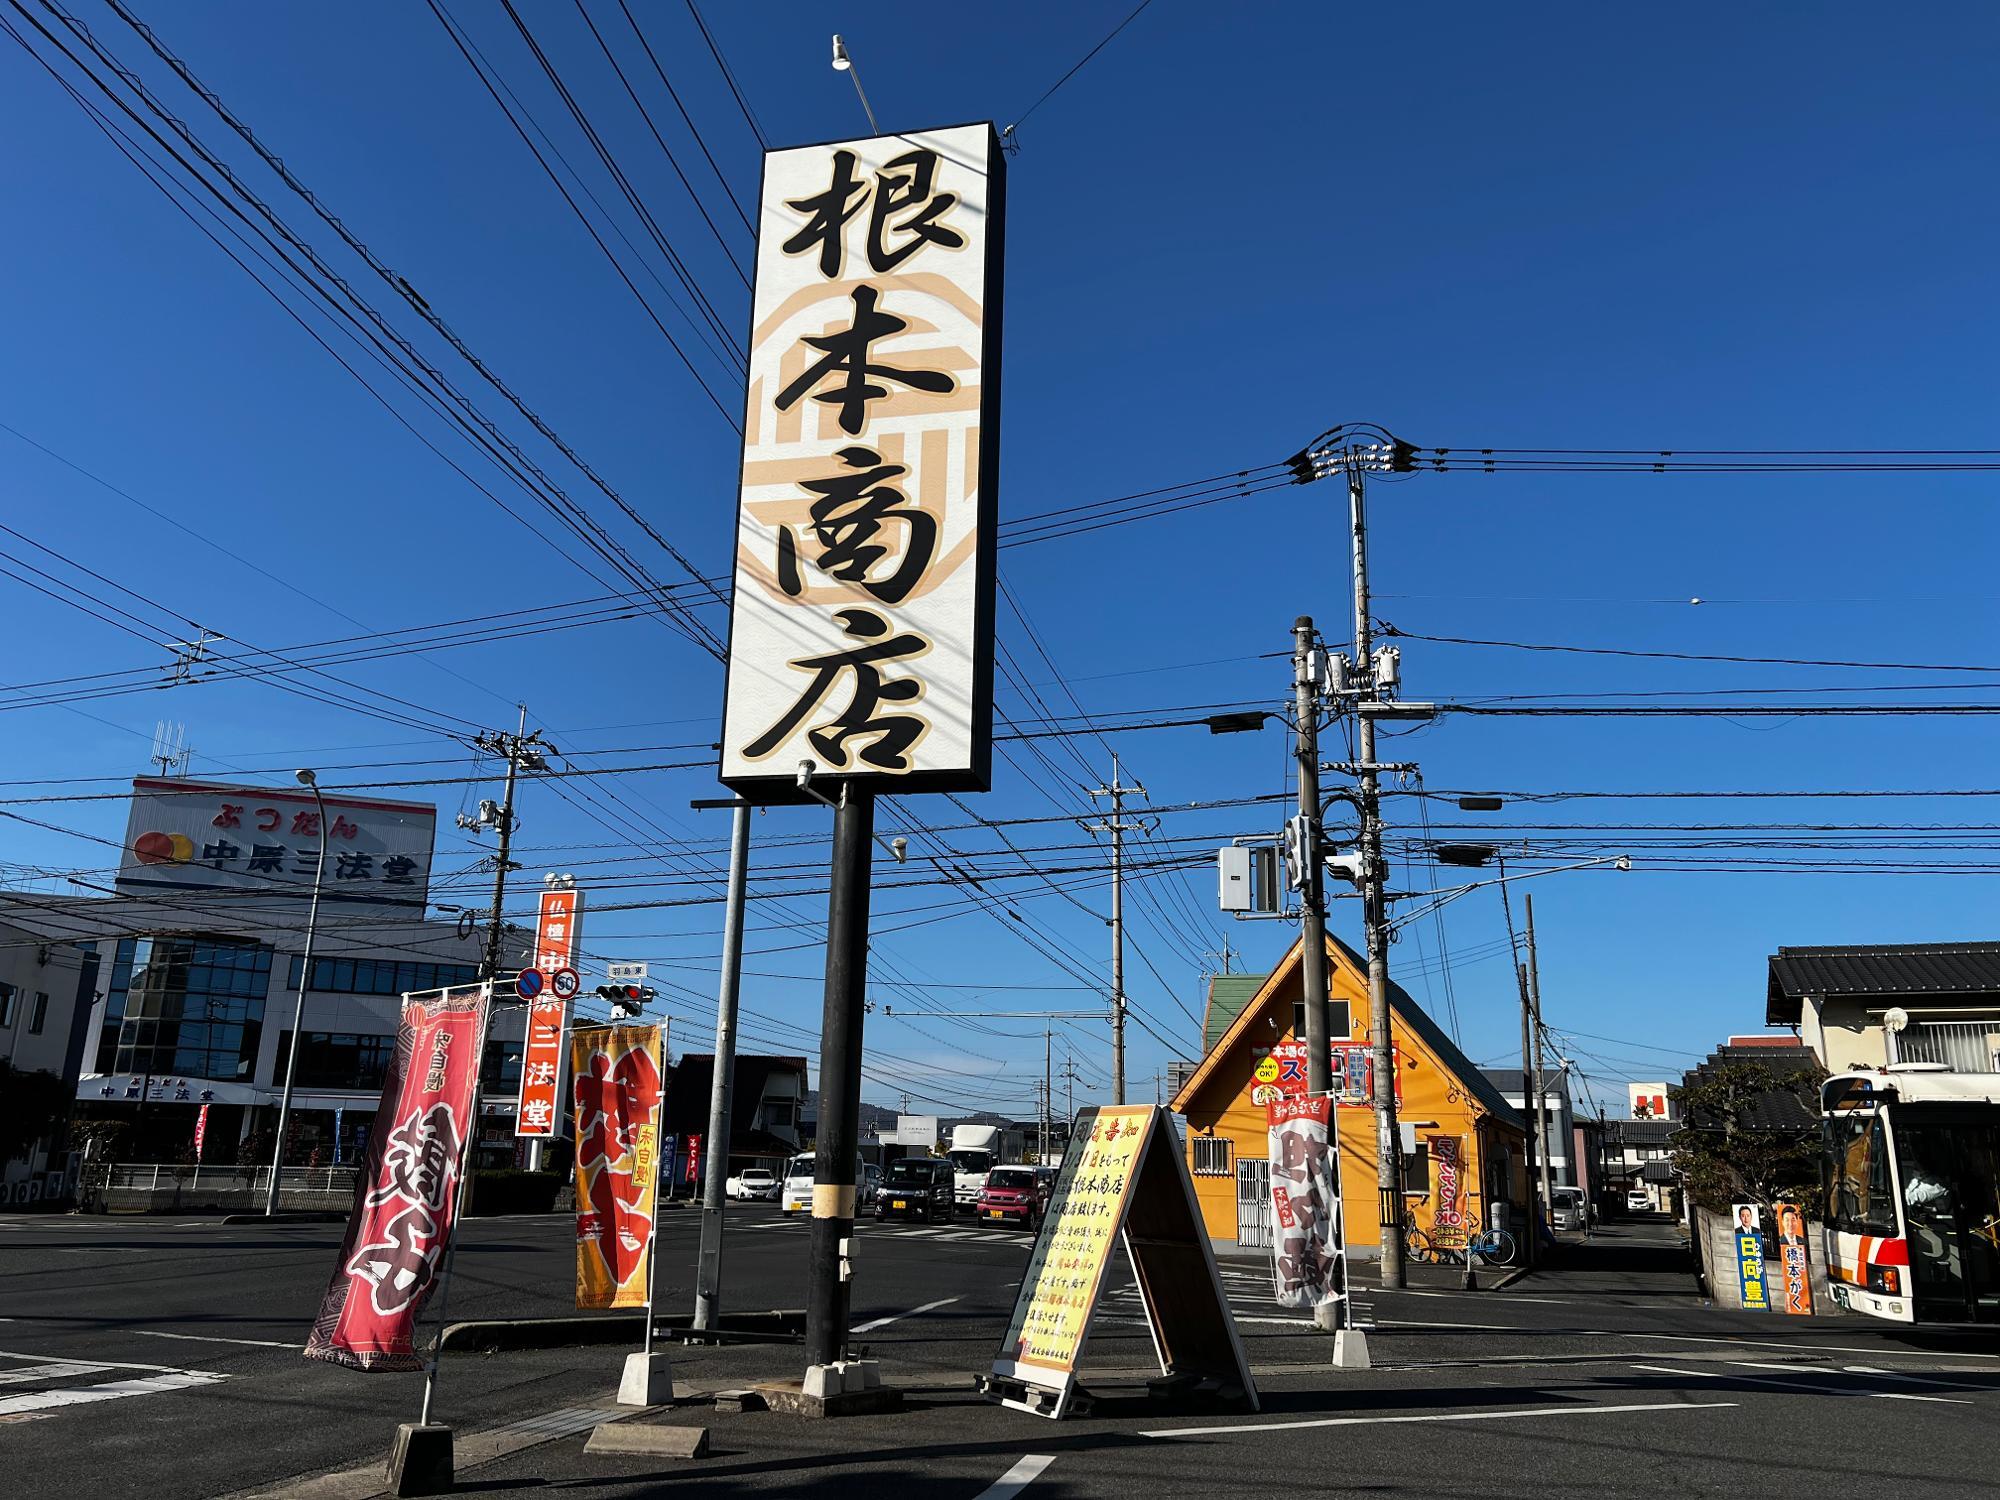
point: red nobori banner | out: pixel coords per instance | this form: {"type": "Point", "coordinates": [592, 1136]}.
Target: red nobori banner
{"type": "Point", "coordinates": [615, 1072]}
{"type": "Point", "coordinates": [407, 1193]}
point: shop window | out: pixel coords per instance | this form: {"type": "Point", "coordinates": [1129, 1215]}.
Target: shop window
{"type": "Point", "coordinates": [1417, 1171]}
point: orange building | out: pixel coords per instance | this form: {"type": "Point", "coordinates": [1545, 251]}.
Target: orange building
{"type": "Point", "coordinates": [1442, 1099]}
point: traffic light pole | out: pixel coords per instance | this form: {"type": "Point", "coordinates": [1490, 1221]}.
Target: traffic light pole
{"type": "Point", "coordinates": [1331, 1314]}
{"type": "Point", "coordinates": [833, 1200]}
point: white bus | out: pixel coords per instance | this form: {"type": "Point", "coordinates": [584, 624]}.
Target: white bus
{"type": "Point", "coordinates": [1912, 1174]}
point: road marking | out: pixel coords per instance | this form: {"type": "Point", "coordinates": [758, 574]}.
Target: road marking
{"type": "Point", "coordinates": [207, 1338]}
{"type": "Point", "coordinates": [1017, 1478]}
{"type": "Point", "coordinates": [1448, 1416]}
{"type": "Point", "coordinates": [870, 1327]}
{"type": "Point", "coordinates": [109, 1364]}
{"type": "Point", "coordinates": [1796, 1385]}
{"type": "Point", "coordinates": [102, 1250]}
{"type": "Point", "coordinates": [1696, 1338]}
{"type": "Point", "coordinates": [110, 1391]}
{"type": "Point", "coordinates": [34, 1374]}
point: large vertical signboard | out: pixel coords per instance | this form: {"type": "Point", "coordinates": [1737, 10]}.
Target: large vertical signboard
{"type": "Point", "coordinates": [1448, 1227]}
{"type": "Point", "coordinates": [615, 1073]}
{"type": "Point", "coordinates": [556, 924]}
{"type": "Point", "coordinates": [195, 835]}
{"type": "Point", "coordinates": [862, 623]}
{"type": "Point", "coordinates": [1122, 1182]}
{"type": "Point", "coordinates": [406, 1194]}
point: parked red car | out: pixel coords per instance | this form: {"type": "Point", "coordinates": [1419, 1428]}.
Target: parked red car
{"type": "Point", "coordinates": [1016, 1195]}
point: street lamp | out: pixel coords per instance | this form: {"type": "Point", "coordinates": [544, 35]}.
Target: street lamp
{"type": "Point", "coordinates": [311, 783]}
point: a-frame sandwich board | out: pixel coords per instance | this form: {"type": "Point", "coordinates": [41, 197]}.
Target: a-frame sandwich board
{"type": "Point", "coordinates": [1123, 1181]}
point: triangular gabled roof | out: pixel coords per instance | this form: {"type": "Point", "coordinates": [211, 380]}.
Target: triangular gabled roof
{"type": "Point", "coordinates": [1405, 1011]}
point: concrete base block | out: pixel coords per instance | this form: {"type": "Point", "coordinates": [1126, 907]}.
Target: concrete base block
{"type": "Point", "coordinates": [420, 1460]}
{"type": "Point", "coordinates": [860, 1374]}
{"type": "Point", "coordinates": [791, 1398]}
{"type": "Point", "coordinates": [648, 1381]}
{"type": "Point", "coordinates": [738, 1401]}
{"type": "Point", "coordinates": [645, 1440]}
{"type": "Point", "coordinates": [1350, 1350]}
{"type": "Point", "coordinates": [822, 1381]}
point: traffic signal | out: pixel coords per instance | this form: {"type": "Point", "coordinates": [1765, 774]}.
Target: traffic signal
{"type": "Point", "coordinates": [626, 999]}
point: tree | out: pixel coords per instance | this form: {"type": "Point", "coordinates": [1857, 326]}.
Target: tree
{"type": "Point", "coordinates": [1750, 1134]}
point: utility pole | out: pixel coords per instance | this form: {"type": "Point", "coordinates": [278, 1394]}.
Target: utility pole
{"type": "Point", "coordinates": [1372, 677]}
{"type": "Point", "coordinates": [722, 1082]}
{"type": "Point", "coordinates": [1069, 1088]}
{"type": "Point", "coordinates": [1540, 1081]}
{"type": "Point", "coordinates": [523, 752]}
{"type": "Point", "coordinates": [1307, 676]}
{"type": "Point", "coordinates": [1048, 1095]}
{"type": "Point", "coordinates": [1529, 1246]}
{"type": "Point", "coordinates": [1117, 827]}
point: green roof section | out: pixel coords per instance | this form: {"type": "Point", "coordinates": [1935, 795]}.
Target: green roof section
{"type": "Point", "coordinates": [1227, 995]}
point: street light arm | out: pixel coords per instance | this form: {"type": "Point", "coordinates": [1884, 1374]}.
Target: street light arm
{"type": "Point", "coordinates": [1445, 897]}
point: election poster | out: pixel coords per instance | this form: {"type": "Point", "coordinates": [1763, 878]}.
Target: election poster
{"type": "Point", "coordinates": [406, 1193]}
{"type": "Point", "coordinates": [1792, 1259]}
{"type": "Point", "coordinates": [615, 1084]}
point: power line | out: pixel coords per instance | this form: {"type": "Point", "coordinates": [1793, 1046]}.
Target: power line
{"type": "Point", "coordinates": [1007, 136]}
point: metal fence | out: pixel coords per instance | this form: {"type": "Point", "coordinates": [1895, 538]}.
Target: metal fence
{"type": "Point", "coordinates": [1962, 1046]}
{"type": "Point", "coordinates": [1253, 1205]}
{"type": "Point", "coordinates": [165, 1177]}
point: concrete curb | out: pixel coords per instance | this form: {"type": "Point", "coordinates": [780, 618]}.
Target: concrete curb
{"type": "Point", "coordinates": [295, 1216]}
{"type": "Point", "coordinates": [778, 1326]}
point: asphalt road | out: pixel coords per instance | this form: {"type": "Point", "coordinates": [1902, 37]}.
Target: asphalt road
{"type": "Point", "coordinates": [142, 1357]}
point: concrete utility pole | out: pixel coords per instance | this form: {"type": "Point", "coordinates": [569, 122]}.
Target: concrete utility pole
{"type": "Point", "coordinates": [1048, 1095]}
{"type": "Point", "coordinates": [1529, 1245]}
{"type": "Point", "coordinates": [1117, 827]}
{"type": "Point", "coordinates": [722, 1082]}
{"type": "Point", "coordinates": [1308, 673]}
{"type": "Point", "coordinates": [522, 753]}
{"type": "Point", "coordinates": [1388, 1138]}
{"type": "Point", "coordinates": [1069, 1088]}
{"type": "Point", "coordinates": [1540, 1080]}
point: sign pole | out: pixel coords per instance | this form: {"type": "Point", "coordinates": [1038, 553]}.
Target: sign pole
{"type": "Point", "coordinates": [722, 1081]}
{"type": "Point", "coordinates": [467, 1157]}
{"type": "Point", "coordinates": [839, 1090]}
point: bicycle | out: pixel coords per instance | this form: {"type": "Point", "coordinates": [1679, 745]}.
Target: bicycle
{"type": "Point", "coordinates": [1494, 1247]}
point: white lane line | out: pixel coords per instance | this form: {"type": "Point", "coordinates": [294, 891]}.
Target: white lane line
{"type": "Point", "coordinates": [1949, 1385]}
{"type": "Point", "coordinates": [1882, 1395]}
{"type": "Point", "coordinates": [36, 1374]}
{"type": "Point", "coordinates": [109, 1364]}
{"type": "Point", "coordinates": [1017, 1478]}
{"type": "Point", "coordinates": [208, 1338]}
{"type": "Point", "coordinates": [1696, 1338]}
{"type": "Point", "coordinates": [111, 1391]}
{"type": "Point", "coordinates": [1447, 1416]}
{"type": "Point", "coordinates": [1796, 1385]}
{"type": "Point", "coordinates": [1405, 1291]}
{"type": "Point", "coordinates": [871, 1326]}
{"type": "Point", "coordinates": [102, 1250]}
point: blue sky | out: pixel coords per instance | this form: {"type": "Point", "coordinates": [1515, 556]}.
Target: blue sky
{"type": "Point", "coordinates": [1572, 227]}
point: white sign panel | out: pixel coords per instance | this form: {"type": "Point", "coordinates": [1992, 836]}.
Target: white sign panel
{"type": "Point", "coordinates": [625, 973]}
{"type": "Point", "coordinates": [862, 625]}
{"type": "Point", "coordinates": [193, 835]}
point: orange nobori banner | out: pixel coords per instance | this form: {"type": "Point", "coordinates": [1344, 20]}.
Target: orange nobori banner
{"type": "Point", "coordinates": [616, 1086]}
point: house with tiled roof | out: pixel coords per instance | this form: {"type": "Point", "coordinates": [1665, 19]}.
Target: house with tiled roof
{"type": "Point", "coordinates": [1870, 1005]}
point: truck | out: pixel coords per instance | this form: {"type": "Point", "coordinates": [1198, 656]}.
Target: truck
{"type": "Point", "coordinates": [976, 1150]}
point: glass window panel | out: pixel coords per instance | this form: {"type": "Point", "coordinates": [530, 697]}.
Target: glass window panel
{"type": "Point", "coordinates": [343, 976]}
